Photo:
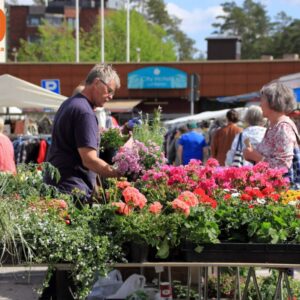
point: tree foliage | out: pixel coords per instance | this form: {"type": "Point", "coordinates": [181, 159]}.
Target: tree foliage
{"type": "Point", "coordinates": [259, 34]}
{"type": "Point", "coordinates": [157, 13]}
{"type": "Point", "coordinates": [58, 44]}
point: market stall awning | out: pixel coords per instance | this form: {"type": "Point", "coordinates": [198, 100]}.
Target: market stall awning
{"type": "Point", "coordinates": [23, 94]}
{"type": "Point", "coordinates": [122, 106]}
{"type": "Point", "coordinates": [254, 96]}
{"type": "Point", "coordinates": [207, 115]}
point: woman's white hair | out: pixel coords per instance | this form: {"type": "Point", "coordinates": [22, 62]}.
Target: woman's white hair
{"type": "Point", "coordinates": [280, 97]}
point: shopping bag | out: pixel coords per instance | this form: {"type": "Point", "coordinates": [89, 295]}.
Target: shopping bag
{"type": "Point", "coordinates": [238, 158]}
{"type": "Point", "coordinates": [106, 286]}
{"type": "Point", "coordinates": [132, 284]}
{"type": "Point", "coordinates": [294, 171]}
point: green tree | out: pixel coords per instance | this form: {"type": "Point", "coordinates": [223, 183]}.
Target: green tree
{"type": "Point", "coordinates": [250, 22]}
{"type": "Point", "coordinates": [156, 12]}
{"type": "Point", "coordinates": [286, 40]}
{"type": "Point", "coordinates": [58, 44]}
{"type": "Point", "coordinates": [54, 44]}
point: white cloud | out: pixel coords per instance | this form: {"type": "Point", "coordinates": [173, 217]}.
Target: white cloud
{"type": "Point", "coordinates": [195, 20]}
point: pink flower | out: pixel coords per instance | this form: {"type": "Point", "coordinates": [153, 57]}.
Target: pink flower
{"type": "Point", "coordinates": [181, 206]}
{"type": "Point", "coordinates": [155, 207]}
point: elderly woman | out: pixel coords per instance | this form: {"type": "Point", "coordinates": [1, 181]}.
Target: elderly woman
{"type": "Point", "coordinates": [277, 147]}
{"type": "Point", "coordinates": [254, 132]}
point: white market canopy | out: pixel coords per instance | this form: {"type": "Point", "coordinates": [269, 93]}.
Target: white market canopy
{"type": "Point", "coordinates": [23, 94]}
{"type": "Point", "coordinates": [207, 115]}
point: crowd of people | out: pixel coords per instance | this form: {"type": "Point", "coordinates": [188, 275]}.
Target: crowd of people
{"type": "Point", "coordinates": [265, 133]}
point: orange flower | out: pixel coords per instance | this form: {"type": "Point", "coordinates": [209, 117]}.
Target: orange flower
{"type": "Point", "coordinates": [133, 197]}
{"type": "Point", "coordinates": [181, 206]}
{"type": "Point", "coordinates": [189, 198]}
{"type": "Point", "coordinates": [123, 184]}
{"type": "Point", "coordinates": [155, 207]}
{"type": "Point", "coordinates": [122, 208]}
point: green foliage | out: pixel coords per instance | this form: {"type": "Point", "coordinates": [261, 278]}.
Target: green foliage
{"type": "Point", "coordinates": [55, 44]}
{"type": "Point", "coordinates": [150, 130]}
{"type": "Point", "coordinates": [180, 291]}
{"type": "Point", "coordinates": [113, 139]}
{"type": "Point", "coordinates": [259, 34]}
{"type": "Point", "coordinates": [259, 224]}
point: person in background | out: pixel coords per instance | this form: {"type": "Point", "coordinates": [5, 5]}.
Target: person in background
{"type": "Point", "coordinates": [223, 137]}
{"type": "Point", "coordinates": [255, 132]}
{"type": "Point", "coordinates": [190, 145]}
{"type": "Point", "coordinates": [75, 135]}
{"type": "Point", "coordinates": [7, 160]}
{"type": "Point", "coordinates": [277, 146]}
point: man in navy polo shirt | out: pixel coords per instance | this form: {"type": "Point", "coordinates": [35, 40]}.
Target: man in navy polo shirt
{"type": "Point", "coordinates": [75, 134]}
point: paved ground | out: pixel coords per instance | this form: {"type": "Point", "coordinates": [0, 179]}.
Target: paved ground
{"type": "Point", "coordinates": [20, 284]}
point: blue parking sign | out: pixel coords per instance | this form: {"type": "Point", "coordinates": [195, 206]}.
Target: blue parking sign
{"type": "Point", "coordinates": [52, 85]}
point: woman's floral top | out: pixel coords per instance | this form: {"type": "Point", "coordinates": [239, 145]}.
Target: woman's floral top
{"type": "Point", "coordinates": [278, 144]}
{"type": "Point", "coordinates": [254, 133]}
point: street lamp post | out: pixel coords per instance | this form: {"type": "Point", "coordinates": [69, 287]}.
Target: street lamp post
{"type": "Point", "coordinates": [128, 32]}
{"type": "Point", "coordinates": [138, 54]}
{"type": "Point", "coordinates": [15, 54]}
{"type": "Point", "coordinates": [102, 31]}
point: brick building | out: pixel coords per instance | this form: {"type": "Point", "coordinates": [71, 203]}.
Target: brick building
{"type": "Point", "coordinates": [217, 78]}
{"type": "Point", "coordinates": [23, 20]}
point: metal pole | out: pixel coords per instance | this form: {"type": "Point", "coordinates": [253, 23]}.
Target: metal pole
{"type": "Point", "coordinates": [192, 93]}
{"type": "Point", "coordinates": [77, 30]}
{"type": "Point", "coordinates": [128, 32]}
{"type": "Point", "coordinates": [102, 31]}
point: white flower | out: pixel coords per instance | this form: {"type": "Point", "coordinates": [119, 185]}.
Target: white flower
{"type": "Point", "coordinates": [261, 201]}
{"type": "Point", "coordinates": [235, 194]}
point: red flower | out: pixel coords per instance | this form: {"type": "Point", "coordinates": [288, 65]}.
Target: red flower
{"type": "Point", "coordinates": [246, 197]}
{"type": "Point", "coordinates": [227, 196]}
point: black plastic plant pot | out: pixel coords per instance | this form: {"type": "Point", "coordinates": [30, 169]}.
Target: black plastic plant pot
{"type": "Point", "coordinates": [239, 252]}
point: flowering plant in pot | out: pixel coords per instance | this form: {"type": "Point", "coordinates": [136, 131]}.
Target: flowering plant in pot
{"type": "Point", "coordinates": [133, 161]}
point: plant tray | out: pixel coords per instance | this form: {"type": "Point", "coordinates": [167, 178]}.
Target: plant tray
{"type": "Point", "coordinates": [247, 253]}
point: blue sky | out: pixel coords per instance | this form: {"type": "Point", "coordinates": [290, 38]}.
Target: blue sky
{"type": "Point", "coordinates": [198, 15]}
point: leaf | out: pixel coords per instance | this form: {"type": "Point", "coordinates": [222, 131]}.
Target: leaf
{"type": "Point", "coordinates": [163, 249]}
{"type": "Point", "coordinates": [199, 249]}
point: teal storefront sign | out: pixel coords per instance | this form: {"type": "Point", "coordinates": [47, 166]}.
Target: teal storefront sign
{"type": "Point", "coordinates": [157, 78]}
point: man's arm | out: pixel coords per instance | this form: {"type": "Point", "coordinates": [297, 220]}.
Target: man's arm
{"type": "Point", "coordinates": [92, 162]}
{"type": "Point", "coordinates": [179, 154]}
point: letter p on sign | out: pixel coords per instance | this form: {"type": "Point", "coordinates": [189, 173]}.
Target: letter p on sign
{"type": "Point", "coordinates": [2, 25]}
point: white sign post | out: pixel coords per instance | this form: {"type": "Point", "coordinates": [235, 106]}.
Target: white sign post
{"type": "Point", "coordinates": [2, 33]}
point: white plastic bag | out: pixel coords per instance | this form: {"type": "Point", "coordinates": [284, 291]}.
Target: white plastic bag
{"type": "Point", "coordinates": [132, 284]}
{"type": "Point", "coordinates": [106, 286]}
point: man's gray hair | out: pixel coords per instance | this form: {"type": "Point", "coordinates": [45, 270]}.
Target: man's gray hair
{"type": "Point", "coordinates": [280, 97]}
{"type": "Point", "coordinates": [104, 72]}
{"type": "Point", "coordinates": [254, 116]}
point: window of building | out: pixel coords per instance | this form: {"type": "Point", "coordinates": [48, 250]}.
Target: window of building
{"type": "Point", "coordinates": [55, 20]}
{"type": "Point", "coordinates": [33, 21]}
{"type": "Point", "coordinates": [71, 22]}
